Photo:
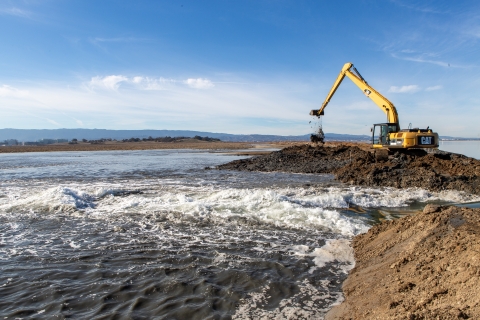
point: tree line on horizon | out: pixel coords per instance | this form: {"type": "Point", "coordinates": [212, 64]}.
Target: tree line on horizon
{"type": "Point", "coordinates": [158, 139]}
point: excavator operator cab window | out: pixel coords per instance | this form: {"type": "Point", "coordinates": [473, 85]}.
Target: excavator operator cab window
{"type": "Point", "coordinates": [380, 134]}
{"type": "Point", "coordinates": [392, 128]}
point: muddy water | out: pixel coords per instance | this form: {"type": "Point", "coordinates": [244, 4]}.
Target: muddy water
{"type": "Point", "coordinates": [152, 234]}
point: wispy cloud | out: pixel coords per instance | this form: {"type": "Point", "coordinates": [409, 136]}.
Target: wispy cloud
{"type": "Point", "coordinates": [199, 83]}
{"type": "Point", "coordinates": [447, 38]}
{"type": "Point", "coordinates": [8, 91]}
{"type": "Point", "coordinates": [100, 40]}
{"type": "Point", "coordinates": [444, 38]}
{"type": "Point", "coordinates": [420, 6]}
{"type": "Point", "coordinates": [434, 88]}
{"type": "Point", "coordinates": [404, 89]}
{"type": "Point", "coordinates": [13, 11]}
{"type": "Point", "coordinates": [423, 60]}
{"type": "Point", "coordinates": [53, 122]}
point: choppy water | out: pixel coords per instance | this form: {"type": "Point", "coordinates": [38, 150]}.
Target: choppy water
{"type": "Point", "coordinates": [153, 235]}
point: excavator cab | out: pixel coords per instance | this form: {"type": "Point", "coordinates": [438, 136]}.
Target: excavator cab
{"type": "Point", "coordinates": [381, 133]}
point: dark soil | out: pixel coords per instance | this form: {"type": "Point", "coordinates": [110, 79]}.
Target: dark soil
{"type": "Point", "coordinates": [435, 171]}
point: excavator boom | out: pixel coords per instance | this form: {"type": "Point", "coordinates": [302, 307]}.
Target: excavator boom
{"type": "Point", "coordinates": [382, 102]}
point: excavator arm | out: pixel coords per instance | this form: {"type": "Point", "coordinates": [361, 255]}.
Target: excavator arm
{"type": "Point", "coordinates": [382, 102]}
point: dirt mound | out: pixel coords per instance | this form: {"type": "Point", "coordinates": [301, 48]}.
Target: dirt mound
{"type": "Point", "coordinates": [351, 164]}
{"type": "Point", "coordinates": [421, 267]}
{"type": "Point", "coordinates": [300, 159]}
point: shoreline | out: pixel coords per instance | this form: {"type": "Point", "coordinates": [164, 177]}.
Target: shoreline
{"type": "Point", "coordinates": [118, 146]}
{"type": "Point", "coordinates": [356, 164]}
{"type": "Point", "coordinates": [254, 148]}
{"type": "Point", "coordinates": [425, 266]}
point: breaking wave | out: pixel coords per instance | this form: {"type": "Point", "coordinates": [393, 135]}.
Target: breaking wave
{"type": "Point", "coordinates": [310, 207]}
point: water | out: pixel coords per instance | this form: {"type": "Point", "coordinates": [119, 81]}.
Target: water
{"type": "Point", "coordinates": [468, 148]}
{"type": "Point", "coordinates": [153, 235]}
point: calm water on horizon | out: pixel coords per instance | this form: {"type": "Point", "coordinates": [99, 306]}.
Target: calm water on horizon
{"type": "Point", "coordinates": [153, 235]}
{"type": "Point", "coordinates": [468, 148]}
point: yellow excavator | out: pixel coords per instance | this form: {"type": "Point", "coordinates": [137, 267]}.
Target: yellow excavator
{"type": "Point", "coordinates": [384, 135]}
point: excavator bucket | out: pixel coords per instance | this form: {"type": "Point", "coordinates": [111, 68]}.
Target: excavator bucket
{"type": "Point", "coordinates": [315, 113]}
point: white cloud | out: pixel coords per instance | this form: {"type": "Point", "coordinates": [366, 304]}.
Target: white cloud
{"type": "Point", "coordinates": [199, 83]}
{"type": "Point", "coordinates": [137, 79]}
{"type": "Point", "coordinates": [146, 83]}
{"type": "Point", "coordinates": [108, 82]}
{"type": "Point", "coordinates": [252, 107]}
{"type": "Point", "coordinates": [404, 89]}
{"type": "Point", "coordinates": [133, 106]}
{"type": "Point", "coordinates": [113, 82]}
{"type": "Point", "coordinates": [434, 88]}
{"type": "Point", "coordinates": [8, 91]}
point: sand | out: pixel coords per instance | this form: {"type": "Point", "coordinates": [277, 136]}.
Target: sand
{"type": "Point", "coordinates": [425, 266]}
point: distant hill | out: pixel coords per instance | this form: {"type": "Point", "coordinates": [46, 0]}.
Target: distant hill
{"type": "Point", "coordinates": [23, 135]}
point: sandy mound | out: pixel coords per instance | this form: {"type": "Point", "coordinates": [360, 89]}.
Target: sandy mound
{"type": "Point", "coordinates": [351, 164]}
{"type": "Point", "coordinates": [421, 267]}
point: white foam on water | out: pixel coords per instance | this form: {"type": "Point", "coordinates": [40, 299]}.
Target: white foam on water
{"type": "Point", "coordinates": [74, 245]}
{"type": "Point", "coordinates": [291, 207]}
{"type": "Point", "coordinates": [334, 250]}
{"type": "Point", "coordinates": [336, 197]}
{"type": "Point", "coordinates": [57, 199]}
{"type": "Point", "coordinates": [303, 305]}
{"type": "Point", "coordinates": [268, 206]}
{"type": "Point", "coordinates": [339, 250]}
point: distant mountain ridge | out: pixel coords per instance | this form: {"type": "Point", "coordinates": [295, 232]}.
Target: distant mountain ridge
{"type": "Point", "coordinates": [23, 135]}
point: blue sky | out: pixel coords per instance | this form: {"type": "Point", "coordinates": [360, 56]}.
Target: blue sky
{"type": "Point", "coordinates": [237, 66]}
